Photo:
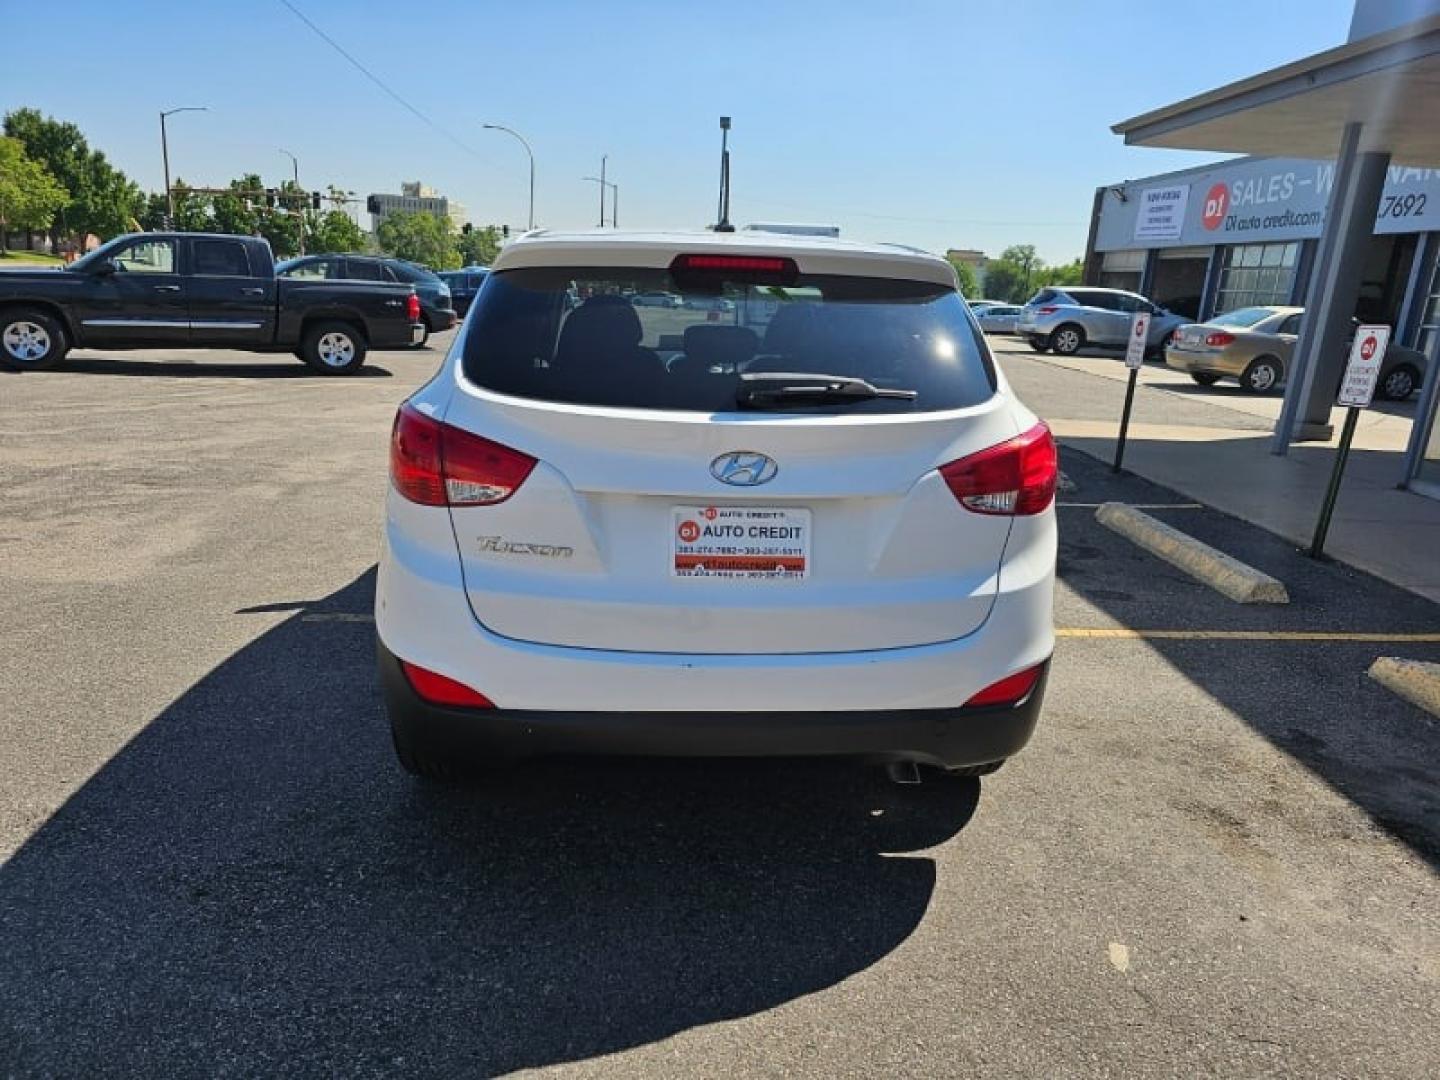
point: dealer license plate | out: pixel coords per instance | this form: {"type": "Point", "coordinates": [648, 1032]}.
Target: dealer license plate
{"type": "Point", "coordinates": [752, 542]}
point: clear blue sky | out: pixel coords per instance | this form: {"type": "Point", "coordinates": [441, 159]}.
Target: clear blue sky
{"type": "Point", "coordinates": [940, 123]}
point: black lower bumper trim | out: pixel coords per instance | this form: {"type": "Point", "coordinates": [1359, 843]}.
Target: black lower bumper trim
{"type": "Point", "coordinates": [947, 737]}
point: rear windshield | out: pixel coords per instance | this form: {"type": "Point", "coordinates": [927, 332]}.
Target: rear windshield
{"type": "Point", "coordinates": [1245, 316]}
{"type": "Point", "coordinates": [637, 338]}
{"type": "Point", "coordinates": [1047, 296]}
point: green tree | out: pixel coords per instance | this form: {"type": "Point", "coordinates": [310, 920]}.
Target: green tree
{"type": "Point", "coordinates": [479, 247]}
{"type": "Point", "coordinates": [334, 231]}
{"type": "Point", "coordinates": [102, 199]}
{"type": "Point", "coordinates": [419, 237]}
{"type": "Point", "coordinates": [965, 278]}
{"type": "Point", "coordinates": [29, 195]}
{"type": "Point", "coordinates": [1004, 281]}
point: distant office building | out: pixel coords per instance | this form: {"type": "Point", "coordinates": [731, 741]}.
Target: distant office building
{"type": "Point", "coordinates": [414, 197]}
{"type": "Point", "coordinates": [972, 258]}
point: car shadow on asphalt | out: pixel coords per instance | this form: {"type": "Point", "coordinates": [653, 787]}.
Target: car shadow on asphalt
{"type": "Point", "coordinates": [251, 884]}
{"type": "Point", "coordinates": [281, 367]}
{"type": "Point", "coordinates": [1310, 699]}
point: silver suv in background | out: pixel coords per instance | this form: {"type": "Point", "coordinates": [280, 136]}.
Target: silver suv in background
{"type": "Point", "coordinates": [1071, 318]}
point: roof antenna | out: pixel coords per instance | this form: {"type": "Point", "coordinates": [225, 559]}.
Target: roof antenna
{"type": "Point", "coordinates": [723, 225]}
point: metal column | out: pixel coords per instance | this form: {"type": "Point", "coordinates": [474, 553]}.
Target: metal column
{"type": "Point", "coordinates": [1334, 289]}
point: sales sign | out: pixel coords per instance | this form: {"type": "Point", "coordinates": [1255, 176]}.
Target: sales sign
{"type": "Point", "coordinates": [1162, 212]}
{"type": "Point", "coordinates": [1367, 353]}
{"type": "Point", "coordinates": [1139, 339]}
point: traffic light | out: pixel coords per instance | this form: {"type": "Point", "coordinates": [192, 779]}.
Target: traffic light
{"type": "Point", "coordinates": [270, 197]}
{"type": "Point", "coordinates": [372, 204]}
{"type": "Point", "coordinates": [314, 200]}
{"type": "Point", "coordinates": [505, 231]}
{"type": "Point", "coordinates": [466, 228]}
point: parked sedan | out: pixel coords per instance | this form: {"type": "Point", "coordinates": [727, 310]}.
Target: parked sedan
{"type": "Point", "coordinates": [464, 284]}
{"type": "Point", "coordinates": [998, 318]}
{"type": "Point", "coordinates": [1254, 345]}
{"type": "Point", "coordinates": [657, 299]}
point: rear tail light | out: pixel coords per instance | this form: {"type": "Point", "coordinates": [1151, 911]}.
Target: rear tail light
{"type": "Point", "coordinates": [437, 689]}
{"type": "Point", "coordinates": [435, 464]}
{"type": "Point", "coordinates": [1219, 339]}
{"type": "Point", "coordinates": [1010, 690]}
{"type": "Point", "coordinates": [1048, 310]}
{"type": "Point", "coordinates": [412, 307]}
{"type": "Point", "coordinates": [1015, 477]}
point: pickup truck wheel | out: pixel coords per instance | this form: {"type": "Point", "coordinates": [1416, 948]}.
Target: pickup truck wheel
{"type": "Point", "coordinates": [333, 348]}
{"type": "Point", "coordinates": [30, 340]}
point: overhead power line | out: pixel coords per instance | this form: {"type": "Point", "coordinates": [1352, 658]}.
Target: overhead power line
{"type": "Point", "coordinates": [381, 83]}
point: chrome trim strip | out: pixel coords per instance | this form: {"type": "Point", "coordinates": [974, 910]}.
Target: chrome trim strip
{"type": "Point", "coordinates": [168, 324]}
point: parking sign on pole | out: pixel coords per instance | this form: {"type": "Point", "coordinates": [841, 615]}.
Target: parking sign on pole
{"type": "Point", "coordinates": [1357, 389]}
{"type": "Point", "coordinates": [1134, 358]}
{"type": "Point", "coordinates": [1139, 338]}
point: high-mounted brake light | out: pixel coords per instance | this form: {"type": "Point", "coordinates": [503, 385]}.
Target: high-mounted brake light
{"type": "Point", "coordinates": [436, 464]}
{"type": "Point", "coordinates": [412, 307]}
{"type": "Point", "coordinates": [1016, 477]}
{"type": "Point", "coordinates": [750, 264]}
{"type": "Point", "coordinates": [1010, 690]}
{"type": "Point", "coordinates": [1219, 339]}
{"type": "Point", "coordinates": [440, 689]}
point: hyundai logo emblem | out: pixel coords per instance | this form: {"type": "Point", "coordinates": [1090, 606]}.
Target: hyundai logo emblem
{"type": "Point", "coordinates": [744, 468]}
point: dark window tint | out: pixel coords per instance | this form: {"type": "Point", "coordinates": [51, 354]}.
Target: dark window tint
{"type": "Point", "coordinates": [362, 269]}
{"type": "Point", "coordinates": [1047, 296]}
{"type": "Point", "coordinates": [309, 269]}
{"type": "Point", "coordinates": [1290, 325]}
{"type": "Point", "coordinates": [577, 335]}
{"type": "Point", "coordinates": [220, 258]}
{"type": "Point", "coordinates": [1103, 301]}
{"type": "Point", "coordinates": [409, 272]}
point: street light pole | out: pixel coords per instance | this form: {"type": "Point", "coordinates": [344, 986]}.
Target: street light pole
{"type": "Point", "coordinates": [530, 153]}
{"type": "Point", "coordinates": [603, 159]}
{"type": "Point", "coordinates": [614, 198]}
{"type": "Point", "coordinates": [165, 156]}
{"type": "Point", "coordinates": [295, 171]}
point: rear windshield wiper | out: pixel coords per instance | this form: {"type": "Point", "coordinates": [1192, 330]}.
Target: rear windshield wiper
{"type": "Point", "coordinates": [759, 389]}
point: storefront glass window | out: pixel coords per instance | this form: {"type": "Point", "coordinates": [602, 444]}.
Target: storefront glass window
{"type": "Point", "coordinates": [1256, 274]}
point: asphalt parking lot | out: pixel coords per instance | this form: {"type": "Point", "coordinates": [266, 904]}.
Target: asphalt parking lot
{"type": "Point", "coordinates": [1219, 855]}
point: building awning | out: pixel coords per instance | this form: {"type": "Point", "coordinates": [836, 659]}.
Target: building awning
{"type": "Point", "coordinates": [1390, 82]}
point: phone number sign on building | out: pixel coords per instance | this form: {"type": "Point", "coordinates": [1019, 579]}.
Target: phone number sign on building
{"type": "Point", "coordinates": [1162, 212]}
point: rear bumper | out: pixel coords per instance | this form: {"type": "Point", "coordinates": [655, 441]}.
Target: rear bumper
{"type": "Point", "coordinates": [439, 319]}
{"type": "Point", "coordinates": [946, 737]}
{"type": "Point", "coordinates": [1204, 363]}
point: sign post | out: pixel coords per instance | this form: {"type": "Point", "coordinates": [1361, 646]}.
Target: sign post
{"type": "Point", "coordinates": [1357, 390]}
{"type": "Point", "coordinates": [1134, 359]}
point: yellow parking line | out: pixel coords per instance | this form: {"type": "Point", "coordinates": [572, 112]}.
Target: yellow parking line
{"type": "Point", "coordinates": [1125, 633]}
{"type": "Point", "coordinates": [1113, 633]}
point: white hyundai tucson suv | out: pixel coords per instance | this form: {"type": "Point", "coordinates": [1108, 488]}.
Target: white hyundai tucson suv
{"type": "Point", "coordinates": [800, 513]}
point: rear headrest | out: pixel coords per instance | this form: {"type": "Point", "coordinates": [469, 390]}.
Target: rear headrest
{"type": "Point", "coordinates": [711, 344]}
{"type": "Point", "coordinates": [605, 323]}
{"type": "Point", "coordinates": [789, 328]}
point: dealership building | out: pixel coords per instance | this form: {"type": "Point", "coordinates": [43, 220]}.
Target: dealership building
{"type": "Point", "coordinates": [1341, 214]}
{"type": "Point", "coordinates": [1209, 240]}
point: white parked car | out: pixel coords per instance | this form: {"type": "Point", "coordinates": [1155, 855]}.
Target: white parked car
{"type": "Point", "coordinates": [820, 523]}
{"type": "Point", "coordinates": [997, 318]}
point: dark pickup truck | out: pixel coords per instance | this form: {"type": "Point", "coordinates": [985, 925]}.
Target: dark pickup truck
{"type": "Point", "coordinates": [198, 291]}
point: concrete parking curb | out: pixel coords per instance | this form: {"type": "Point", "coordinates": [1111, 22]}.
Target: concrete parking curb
{"type": "Point", "coordinates": [1414, 680]}
{"type": "Point", "coordinates": [1226, 575]}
